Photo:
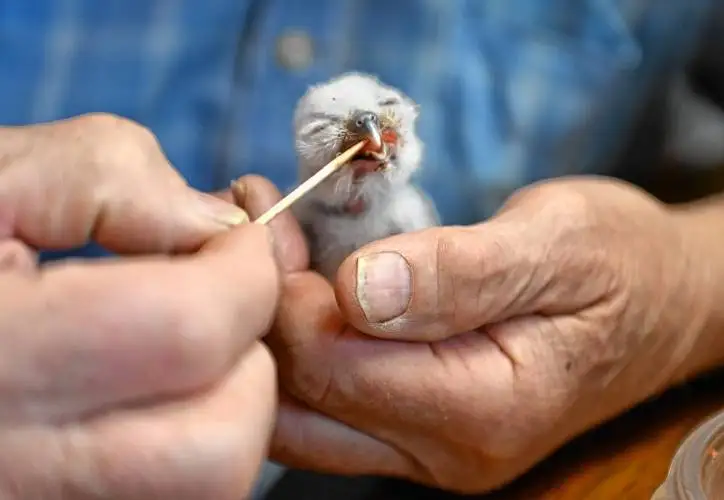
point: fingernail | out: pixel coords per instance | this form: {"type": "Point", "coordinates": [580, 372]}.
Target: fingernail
{"type": "Point", "coordinates": [222, 211]}
{"type": "Point", "coordinates": [383, 286]}
{"type": "Point", "coordinates": [238, 191]}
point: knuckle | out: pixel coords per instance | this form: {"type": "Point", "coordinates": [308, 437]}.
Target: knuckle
{"type": "Point", "coordinates": [99, 120]}
{"type": "Point", "coordinates": [116, 124]}
{"type": "Point", "coordinates": [115, 128]}
{"type": "Point", "coordinates": [566, 202]}
{"type": "Point", "coordinates": [572, 206]}
{"type": "Point", "coordinates": [107, 156]}
{"type": "Point", "coordinates": [118, 142]}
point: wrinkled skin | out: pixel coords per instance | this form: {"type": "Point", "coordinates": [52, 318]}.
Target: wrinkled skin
{"type": "Point", "coordinates": [577, 301]}
{"type": "Point", "coordinates": [138, 377]}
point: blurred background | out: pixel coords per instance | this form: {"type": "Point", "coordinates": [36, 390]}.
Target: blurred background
{"type": "Point", "coordinates": [681, 129]}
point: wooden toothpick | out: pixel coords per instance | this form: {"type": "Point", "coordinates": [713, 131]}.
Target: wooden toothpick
{"type": "Point", "coordinates": [310, 183]}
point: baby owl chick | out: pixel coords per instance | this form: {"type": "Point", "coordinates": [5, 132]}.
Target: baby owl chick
{"type": "Point", "coordinates": [372, 197]}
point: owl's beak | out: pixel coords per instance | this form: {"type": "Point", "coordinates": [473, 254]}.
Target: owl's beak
{"type": "Point", "coordinates": [366, 125]}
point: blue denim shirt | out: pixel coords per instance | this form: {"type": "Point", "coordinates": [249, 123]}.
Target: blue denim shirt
{"type": "Point", "coordinates": [510, 91]}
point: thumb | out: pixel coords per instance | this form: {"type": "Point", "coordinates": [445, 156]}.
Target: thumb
{"type": "Point", "coordinates": [433, 284]}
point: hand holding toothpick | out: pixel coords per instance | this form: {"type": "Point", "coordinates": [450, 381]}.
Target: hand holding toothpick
{"type": "Point", "coordinates": [310, 183]}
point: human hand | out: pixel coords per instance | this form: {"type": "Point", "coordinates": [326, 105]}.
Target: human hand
{"type": "Point", "coordinates": [257, 194]}
{"type": "Point", "coordinates": [136, 377]}
{"type": "Point", "coordinates": [482, 349]}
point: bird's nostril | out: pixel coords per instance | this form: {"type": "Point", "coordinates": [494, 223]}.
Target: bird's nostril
{"type": "Point", "coordinates": [366, 124]}
{"type": "Point", "coordinates": [362, 120]}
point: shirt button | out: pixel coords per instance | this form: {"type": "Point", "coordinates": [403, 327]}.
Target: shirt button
{"type": "Point", "coordinates": [294, 50]}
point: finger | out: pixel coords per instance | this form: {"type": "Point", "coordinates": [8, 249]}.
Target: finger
{"type": "Point", "coordinates": [86, 336]}
{"type": "Point", "coordinates": [208, 446]}
{"type": "Point", "coordinates": [306, 439]}
{"type": "Point", "coordinates": [256, 195]}
{"type": "Point", "coordinates": [56, 192]}
{"type": "Point", "coordinates": [16, 256]}
{"type": "Point", "coordinates": [356, 378]}
{"type": "Point", "coordinates": [436, 283]}
{"type": "Point", "coordinates": [156, 217]}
